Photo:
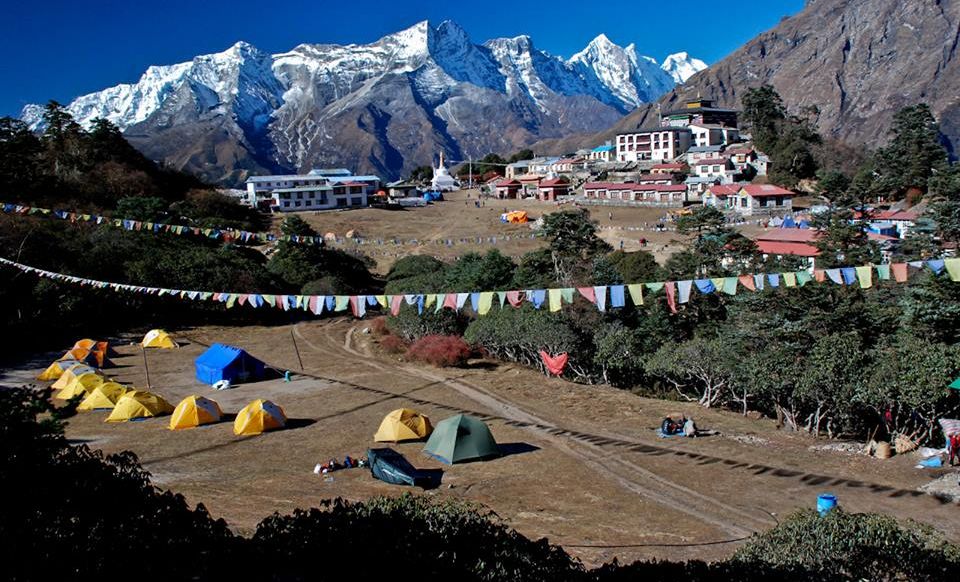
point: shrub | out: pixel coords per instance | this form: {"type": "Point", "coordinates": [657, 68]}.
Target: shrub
{"type": "Point", "coordinates": [392, 344]}
{"type": "Point", "coordinates": [411, 326]}
{"type": "Point", "coordinates": [441, 351]}
{"type": "Point", "coordinates": [860, 546]}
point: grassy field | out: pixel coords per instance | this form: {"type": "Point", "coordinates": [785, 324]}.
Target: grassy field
{"type": "Point", "coordinates": [583, 465]}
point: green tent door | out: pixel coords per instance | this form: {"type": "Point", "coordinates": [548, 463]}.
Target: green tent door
{"type": "Point", "coordinates": [461, 438]}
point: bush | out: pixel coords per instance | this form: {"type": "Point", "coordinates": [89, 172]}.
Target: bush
{"type": "Point", "coordinates": [392, 344]}
{"type": "Point", "coordinates": [378, 326]}
{"type": "Point", "coordinates": [442, 351]}
{"type": "Point", "coordinates": [861, 546]}
{"type": "Point", "coordinates": [411, 326]}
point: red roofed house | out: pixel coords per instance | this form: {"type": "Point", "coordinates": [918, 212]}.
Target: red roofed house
{"type": "Point", "coordinates": [764, 199]}
{"type": "Point", "coordinates": [801, 242]}
{"type": "Point", "coordinates": [721, 196]}
{"type": "Point", "coordinates": [742, 157]}
{"type": "Point", "coordinates": [714, 168]}
{"type": "Point", "coordinates": [508, 188]}
{"type": "Point", "coordinates": [643, 194]}
{"type": "Point", "coordinates": [550, 189]}
{"type": "Point", "coordinates": [655, 179]}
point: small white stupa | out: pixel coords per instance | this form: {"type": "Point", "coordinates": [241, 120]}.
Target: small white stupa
{"type": "Point", "coordinates": [442, 180]}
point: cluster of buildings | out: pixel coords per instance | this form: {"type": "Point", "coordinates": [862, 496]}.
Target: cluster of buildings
{"type": "Point", "coordinates": [323, 189]}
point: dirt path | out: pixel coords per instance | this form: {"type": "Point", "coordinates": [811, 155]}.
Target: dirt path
{"type": "Point", "coordinates": [735, 522]}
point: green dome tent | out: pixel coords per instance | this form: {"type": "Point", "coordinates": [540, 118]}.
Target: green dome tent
{"type": "Point", "coordinates": [461, 438]}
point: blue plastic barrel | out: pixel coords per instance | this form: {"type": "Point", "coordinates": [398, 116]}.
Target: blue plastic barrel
{"type": "Point", "coordinates": [826, 502]}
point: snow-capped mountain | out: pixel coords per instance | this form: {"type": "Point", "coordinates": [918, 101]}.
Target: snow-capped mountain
{"type": "Point", "coordinates": [681, 66]}
{"type": "Point", "coordinates": [384, 107]}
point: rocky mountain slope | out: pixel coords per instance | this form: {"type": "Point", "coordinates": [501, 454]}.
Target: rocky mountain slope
{"type": "Point", "coordinates": [857, 61]}
{"type": "Point", "coordinates": [383, 107]}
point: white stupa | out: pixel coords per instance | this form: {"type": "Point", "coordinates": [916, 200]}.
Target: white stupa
{"type": "Point", "coordinates": [442, 180]}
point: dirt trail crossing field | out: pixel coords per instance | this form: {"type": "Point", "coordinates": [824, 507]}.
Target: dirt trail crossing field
{"type": "Point", "coordinates": [584, 467]}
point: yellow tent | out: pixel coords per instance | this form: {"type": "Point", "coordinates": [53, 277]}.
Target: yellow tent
{"type": "Point", "coordinates": [55, 370]}
{"type": "Point", "coordinates": [81, 385]}
{"type": "Point", "coordinates": [194, 411]}
{"type": "Point", "coordinates": [403, 424]}
{"type": "Point", "coordinates": [157, 338]}
{"type": "Point", "coordinates": [70, 373]}
{"type": "Point", "coordinates": [139, 404]}
{"type": "Point", "coordinates": [103, 396]}
{"type": "Point", "coordinates": [257, 417]}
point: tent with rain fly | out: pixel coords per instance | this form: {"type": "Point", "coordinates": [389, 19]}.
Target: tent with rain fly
{"type": "Point", "coordinates": [157, 338]}
{"type": "Point", "coordinates": [403, 424]}
{"type": "Point", "coordinates": [195, 411]}
{"type": "Point", "coordinates": [223, 362]}
{"type": "Point", "coordinates": [103, 397]}
{"type": "Point", "coordinates": [257, 417]}
{"type": "Point", "coordinates": [391, 467]}
{"type": "Point", "coordinates": [71, 373]}
{"type": "Point", "coordinates": [139, 404]}
{"type": "Point", "coordinates": [82, 385]}
{"type": "Point", "coordinates": [461, 438]}
{"type": "Point", "coordinates": [55, 370]}
{"type": "Point", "coordinates": [97, 349]}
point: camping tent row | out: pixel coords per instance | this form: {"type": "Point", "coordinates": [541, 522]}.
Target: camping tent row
{"type": "Point", "coordinates": [157, 338]}
{"type": "Point", "coordinates": [86, 351]}
{"type": "Point", "coordinates": [456, 439]}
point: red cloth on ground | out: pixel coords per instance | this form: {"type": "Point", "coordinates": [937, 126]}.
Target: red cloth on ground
{"type": "Point", "coordinates": [554, 364]}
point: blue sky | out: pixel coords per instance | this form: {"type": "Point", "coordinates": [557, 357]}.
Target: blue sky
{"type": "Point", "coordinates": [57, 49]}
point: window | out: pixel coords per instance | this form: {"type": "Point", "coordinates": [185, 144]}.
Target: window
{"type": "Point", "coordinates": [743, 202]}
{"type": "Point", "coordinates": [286, 204]}
{"type": "Point", "coordinates": [716, 169]}
{"type": "Point", "coordinates": [297, 204]}
{"type": "Point", "coordinates": [779, 201]}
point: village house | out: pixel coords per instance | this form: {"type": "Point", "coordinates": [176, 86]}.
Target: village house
{"type": "Point", "coordinates": [566, 165]}
{"type": "Point", "coordinates": [656, 144]}
{"type": "Point", "coordinates": [529, 184]}
{"type": "Point", "coordinates": [517, 169]}
{"type": "Point", "coordinates": [401, 189]}
{"type": "Point", "coordinates": [717, 168]}
{"type": "Point", "coordinates": [508, 188]}
{"type": "Point", "coordinates": [741, 157]}
{"type": "Point", "coordinates": [721, 196]}
{"type": "Point", "coordinates": [697, 186]}
{"type": "Point", "coordinates": [891, 222]}
{"type": "Point", "coordinates": [318, 190]}
{"type": "Point", "coordinates": [604, 153]}
{"type": "Point", "coordinates": [551, 188]}
{"type": "Point", "coordinates": [801, 242]}
{"type": "Point", "coordinates": [642, 194]}
{"type": "Point", "coordinates": [697, 153]}
{"type": "Point", "coordinates": [542, 165]}
{"type": "Point", "coordinates": [655, 179]}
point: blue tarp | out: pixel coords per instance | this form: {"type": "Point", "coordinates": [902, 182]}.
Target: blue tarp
{"type": "Point", "coordinates": [391, 467]}
{"type": "Point", "coordinates": [223, 362]}
{"type": "Point", "coordinates": [432, 196]}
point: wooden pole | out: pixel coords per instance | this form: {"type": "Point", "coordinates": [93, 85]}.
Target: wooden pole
{"type": "Point", "coordinates": [146, 368]}
{"type": "Point", "coordinates": [296, 349]}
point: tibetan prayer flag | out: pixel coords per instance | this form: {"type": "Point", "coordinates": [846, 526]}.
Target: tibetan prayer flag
{"type": "Point", "coordinates": [865, 277]}
{"type": "Point", "coordinates": [617, 298]}
{"type": "Point", "coordinates": [849, 275]}
{"type": "Point", "coordinates": [555, 299]}
{"type": "Point", "coordinates": [804, 277]}
{"type": "Point", "coordinates": [600, 293]}
{"type": "Point", "coordinates": [706, 285]}
{"type": "Point", "coordinates": [730, 285]}
{"type": "Point", "coordinates": [747, 281]}
{"type": "Point", "coordinates": [953, 268]}
{"type": "Point", "coordinates": [588, 293]}
{"type": "Point", "coordinates": [883, 272]}
{"type": "Point", "coordinates": [671, 289]}
{"type": "Point", "coordinates": [790, 279]}
{"type": "Point", "coordinates": [486, 302]}
{"type": "Point", "coordinates": [683, 290]}
{"type": "Point", "coordinates": [554, 364]}
{"type": "Point", "coordinates": [899, 272]}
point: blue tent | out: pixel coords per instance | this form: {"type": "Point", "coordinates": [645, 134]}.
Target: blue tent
{"type": "Point", "coordinates": [788, 222]}
{"type": "Point", "coordinates": [223, 362]}
{"type": "Point", "coordinates": [432, 196]}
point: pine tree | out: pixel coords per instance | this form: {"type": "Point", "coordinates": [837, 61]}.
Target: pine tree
{"type": "Point", "coordinates": [915, 151]}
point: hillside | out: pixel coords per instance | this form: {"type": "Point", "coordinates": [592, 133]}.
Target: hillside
{"type": "Point", "coordinates": [857, 61]}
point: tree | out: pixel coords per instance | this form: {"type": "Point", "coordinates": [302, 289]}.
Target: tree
{"type": "Point", "coordinates": [618, 352]}
{"type": "Point", "coordinates": [843, 240]}
{"type": "Point", "coordinates": [832, 378]}
{"type": "Point", "coordinates": [146, 208]}
{"type": "Point", "coordinates": [473, 272]}
{"type": "Point", "coordinates": [521, 156]}
{"type": "Point", "coordinates": [63, 140]}
{"type": "Point", "coordinates": [421, 174]}
{"type": "Point", "coordinates": [764, 111]}
{"type": "Point", "coordinates": [831, 184]}
{"type": "Point", "coordinates": [914, 153]}
{"type": "Point", "coordinates": [909, 380]}
{"type": "Point", "coordinates": [635, 267]}
{"type": "Point", "coordinates": [573, 245]}
{"type": "Point", "coordinates": [701, 218]}
{"type": "Point", "coordinates": [19, 154]}
{"type": "Point", "coordinates": [535, 270]}
{"type": "Point", "coordinates": [699, 370]}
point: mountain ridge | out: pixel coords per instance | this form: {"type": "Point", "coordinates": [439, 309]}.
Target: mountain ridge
{"type": "Point", "coordinates": [385, 106]}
